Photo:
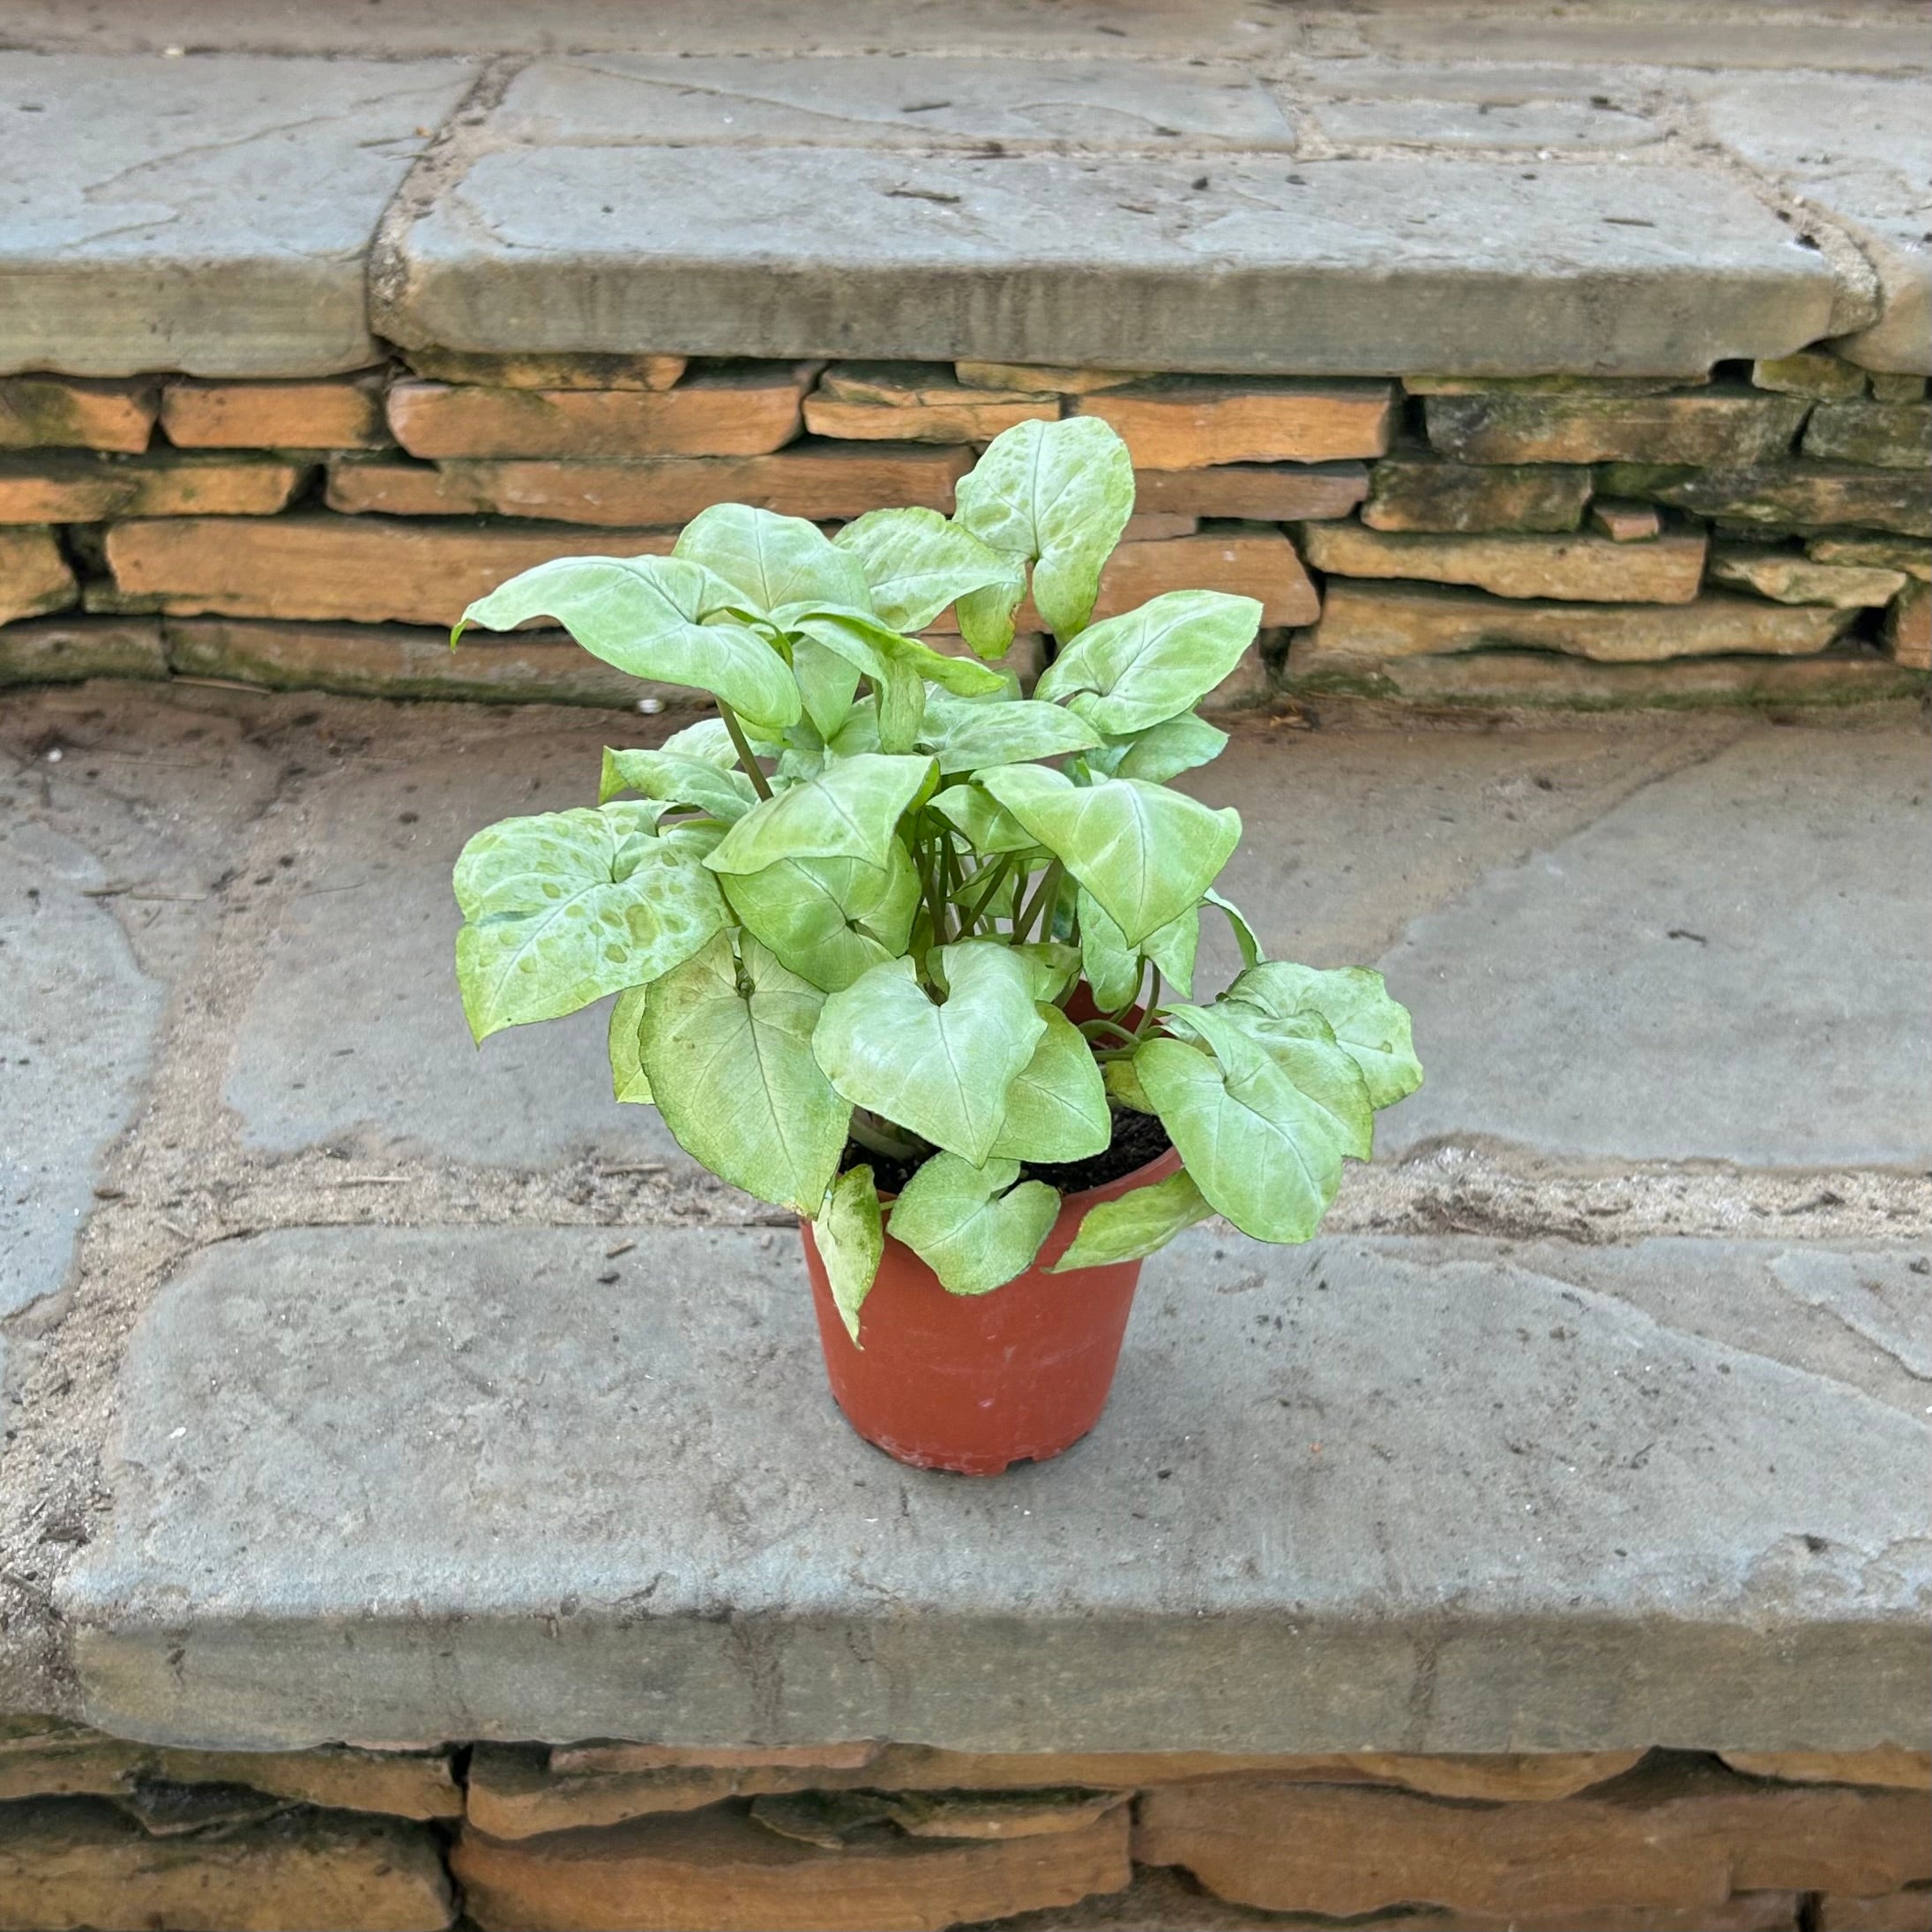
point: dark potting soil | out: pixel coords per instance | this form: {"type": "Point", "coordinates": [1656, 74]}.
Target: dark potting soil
{"type": "Point", "coordinates": [1138, 1138]}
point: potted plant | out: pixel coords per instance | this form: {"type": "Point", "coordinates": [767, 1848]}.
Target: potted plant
{"type": "Point", "coordinates": [913, 954]}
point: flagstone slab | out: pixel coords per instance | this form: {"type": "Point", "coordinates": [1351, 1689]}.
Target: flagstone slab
{"type": "Point", "coordinates": [211, 215]}
{"type": "Point", "coordinates": [1240, 262]}
{"type": "Point", "coordinates": [1427, 1494]}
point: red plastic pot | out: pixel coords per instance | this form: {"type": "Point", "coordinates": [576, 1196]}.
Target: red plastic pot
{"type": "Point", "coordinates": [975, 1382]}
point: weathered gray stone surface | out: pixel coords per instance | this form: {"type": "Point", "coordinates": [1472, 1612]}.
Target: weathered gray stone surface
{"type": "Point", "coordinates": [1327, 267]}
{"type": "Point", "coordinates": [599, 1511]}
{"type": "Point", "coordinates": [209, 216]}
{"type": "Point", "coordinates": [354, 1031]}
{"type": "Point", "coordinates": [888, 101]}
{"type": "Point", "coordinates": [1728, 965]}
{"type": "Point", "coordinates": [1860, 151]}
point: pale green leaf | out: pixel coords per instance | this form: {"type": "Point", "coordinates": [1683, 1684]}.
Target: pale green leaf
{"type": "Point", "coordinates": [771, 560]}
{"type": "Point", "coordinates": [1162, 751]}
{"type": "Point", "coordinates": [829, 919]}
{"type": "Point", "coordinates": [1055, 966]}
{"type": "Point", "coordinates": [1136, 1224]}
{"type": "Point", "coordinates": [965, 735]}
{"type": "Point", "coordinates": [851, 1242]}
{"type": "Point", "coordinates": [627, 1075]}
{"type": "Point", "coordinates": [728, 1051]}
{"type": "Point", "coordinates": [916, 562]}
{"type": "Point", "coordinates": [1172, 947]}
{"type": "Point", "coordinates": [1112, 967]}
{"type": "Point", "coordinates": [642, 614]}
{"type": "Point", "coordinates": [986, 827]}
{"type": "Point", "coordinates": [1373, 1029]}
{"type": "Point", "coordinates": [1261, 1152]}
{"type": "Point", "coordinates": [941, 1070]}
{"type": "Point", "coordinates": [1146, 853]}
{"type": "Point", "coordinates": [564, 907]}
{"type": "Point", "coordinates": [1124, 1086]}
{"type": "Point", "coordinates": [1302, 1047]}
{"type": "Point", "coordinates": [848, 811]}
{"type": "Point", "coordinates": [1056, 1107]}
{"type": "Point", "coordinates": [871, 646]}
{"type": "Point", "coordinates": [826, 683]}
{"type": "Point", "coordinates": [986, 616]}
{"type": "Point", "coordinates": [677, 780]}
{"type": "Point", "coordinates": [1058, 494]}
{"type": "Point", "coordinates": [1244, 934]}
{"type": "Point", "coordinates": [708, 739]}
{"type": "Point", "coordinates": [970, 1225]}
{"type": "Point", "coordinates": [901, 707]}
{"type": "Point", "coordinates": [1149, 665]}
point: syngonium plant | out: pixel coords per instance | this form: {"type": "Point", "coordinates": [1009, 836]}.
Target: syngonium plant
{"type": "Point", "coordinates": [846, 917]}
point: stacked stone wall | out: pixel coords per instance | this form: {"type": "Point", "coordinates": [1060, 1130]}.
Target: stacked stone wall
{"type": "Point", "coordinates": [1762, 535]}
{"type": "Point", "coordinates": [98, 1833]}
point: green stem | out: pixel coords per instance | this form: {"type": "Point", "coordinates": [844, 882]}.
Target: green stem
{"type": "Point", "coordinates": [995, 873]}
{"type": "Point", "coordinates": [1089, 1027]}
{"type": "Point", "coordinates": [881, 1139]}
{"type": "Point", "coordinates": [754, 771]}
{"type": "Point", "coordinates": [1152, 1007]}
{"type": "Point", "coordinates": [1044, 894]}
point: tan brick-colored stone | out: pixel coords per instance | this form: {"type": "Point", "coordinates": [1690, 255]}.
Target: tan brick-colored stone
{"type": "Point", "coordinates": [824, 481]}
{"type": "Point", "coordinates": [68, 1864]}
{"type": "Point", "coordinates": [717, 1871]}
{"type": "Point", "coordinates": [394, 661]}
{"type": "Point", "coordinates": [74, 486]}
{"type": "Point", "coordinates": [1624, 522]}
{"type": "Point", "coordinates": [914, 402]}
{"type": "Point", "coordinates": [998, 1814]}
{"type": "Point", "coordinates": [1424, 493]}
{"type": "Point", "coordinates": [1887, 1764]}
{"type": "Point", "coordinates": [1255, 492]}
{"type": "Point", "coordinates": [560, 371]}
{"type": "Point", "coordinates": [34, 578]}
{"type": "Point", "coordinates": [1811, 372]}
{"type": "Point", "coordinates": [60, 651]}
{"type": "Point", "coordinates": [1896, 1912]}
{"type": "Point", "coordinates": [1246, 563]}
{"type": "Point", "coordinates": [729, 415]}
{"type": "Point", "coordinates": [343, 415]}
{"type": "Point", "coordinates": [1894, 435]}
{"type": "Point", "coordinates": [54, 412]}
{"type": "Point", "coordinates": [1795, 580]}
{"type": "Point", "coordinates": [1037, 380]}
{"type": "Point", "coordinates": [1151, 525]}
{"type": "Point", "coordinates": [1189, 422]}
{"type": "Point", "coordinates": [1580, 569]}
{"type": "Point", "coordinates": [366, 569]}
{"type": "Point", "coordinates": [1784, 496]}
{"type": "Point", "coordinates": [1727, 425]}
{"type": "Point", "coordinates": [1681, 1839]}
{"type": "Point", "coordinates": [1898, 388]}
{"type": "Point", "coordinates": [1908, 628]}
{"type": "Point", "coordinates": [1371, 620]}
{"type": "Point", "coordinates": [1876, 553]}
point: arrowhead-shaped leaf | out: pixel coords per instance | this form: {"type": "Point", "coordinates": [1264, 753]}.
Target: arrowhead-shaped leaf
{"type": "Point", "coordinates": [829, 919]}
{"type": "Point", "coordinates": [1148, 666]}
{"type": "Point", "coordinates": [1373, 1029]}
{"type": "Point", "coordinates": [1146, 853]}
{"type": "Point", "coordinates": [728, 1051]}
{"type": "Point", "coordinates": [642, 614]}
{"type": "Point", "coordinates": [1136, 1224]}
{"type": "Point", "coordinates": [986, 827]}
{"type": "Point", "coordinates": [1302, 1047]}
{"type": "Point", "coordinates": [872, 647]}
{"type": "Point", "coordinates": [848, 811]}
{"type": "Point", "coordinates": [970, 1225]}
{"type": "Point", "coordinates": [1244, 934]}
{"type": "Point", "coordinates": [965, 735]}
{"type": "Point", "coordinates": [1160, 752]}
{"type": "Point", "coordinates": [1260, 1150]}
{"type": "Point", "coordinates": [941, 1070]}
{"type": "Point", "coordinates": [1058, 494]}
{"type": "Point", "coordinates": [826, 685]}
{"type": "Point", "coordinates": [916, 562]}
{"type": "Point", "coordinates": [771, 560]}
{"type": "Point", "coordinates": [1112, 967]}
{"type": "Point", "coordinates": [627, 1081]}
{"type": "Point", "coordinates": [678, 780]}
{"type": "Point", "coordinates": [851, 1242]}
{"type": "Point", "coordinates": [564, 907]}
{"type": "Point", "coordinates": [1056, 1107]}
